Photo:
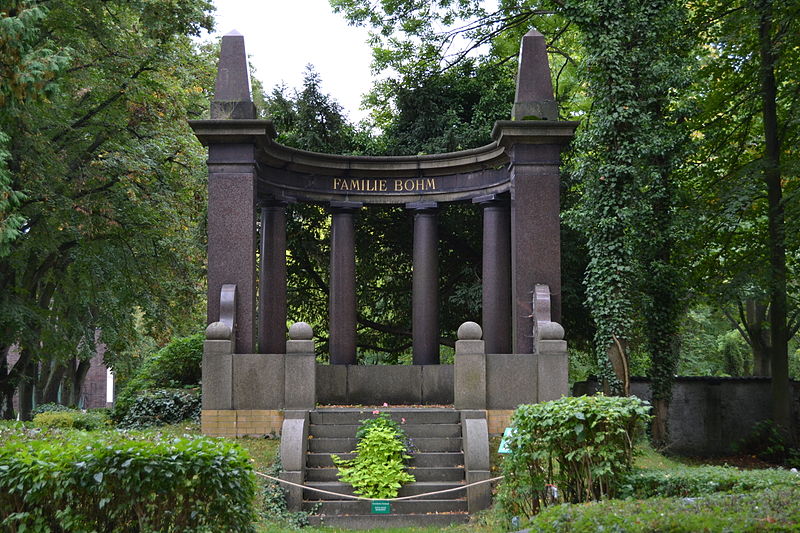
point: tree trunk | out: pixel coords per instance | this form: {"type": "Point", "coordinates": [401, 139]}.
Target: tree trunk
{"type": "Point", "coordinates": [660, 418]}
{"type": "Point", "coordinates": [27, 386]}
{"type": "Point", "coordinates": [756, 326]}
{"type": "Point", "coordinates": [777, 242]}
{"type": "Point", "coordinates": [53, 382]}
{"type": "Point", "coordinates": [76, 378]}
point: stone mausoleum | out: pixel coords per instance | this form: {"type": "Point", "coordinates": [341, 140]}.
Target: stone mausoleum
{"type": "Point", "coordinates": [256, 381]}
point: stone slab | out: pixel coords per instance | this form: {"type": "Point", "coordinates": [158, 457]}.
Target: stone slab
{"type": "Point", "coordinates": [332, 384]}
{"type": "Point", "coordinates": [470, 380]}
{"type": "Point", "coordinates": [437, 384]}
{"type": "Point", "coordinates": [511, 380]}
{"type": "Point", "coordinates": [217, 378]}
{"type": "Point", "coordinates": [300, 381]}
{"type": "Point", "coordinates": [258, 381]}
{"type": "Point", "coordinates": [553, 369]}
{"type": "Point", "coordinates": [376, 384]}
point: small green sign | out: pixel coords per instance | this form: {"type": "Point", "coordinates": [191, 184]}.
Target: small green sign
{"type": "Point", "coordinates": [379, 507]}
{"type": "Point", "coordinates": [507, 434]}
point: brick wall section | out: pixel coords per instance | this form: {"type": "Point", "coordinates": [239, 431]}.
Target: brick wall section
{"type": "Point", "coordinates": [498, 420]}
{"type": "Point", "coordinates": [241, 423]}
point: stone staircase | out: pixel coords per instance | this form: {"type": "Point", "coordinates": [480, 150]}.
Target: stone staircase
{"type": "Point", "coordinates": [437, 464]}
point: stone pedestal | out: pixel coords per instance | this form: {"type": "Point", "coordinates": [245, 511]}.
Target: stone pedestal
{"type": "Point", "coordinates": [300, 369]}
{"type": "Point", "coordinates": [470, 368]}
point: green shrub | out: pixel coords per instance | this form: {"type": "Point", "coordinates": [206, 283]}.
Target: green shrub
{"type": "Point", "coordinates": [701, 480]}
{"type": "Point", "coordinates": [273, 497]}
{"type": "Point", "coordinates": [377, 471]}
{"type": "Point", "coordinates": [773, 509]}
{"type": "Point", "coordinates": [51, 408]}
{"type": "Point", "coordinates": [574, 449]}
{"type": "Point", "coordinates": [87, 421]}
{"type": "Point", "coordinates": [115, 483]}
{"type": "Point", "coordinates": [176, 365]}
{"type": "Point", "coordinates": [159, 407]}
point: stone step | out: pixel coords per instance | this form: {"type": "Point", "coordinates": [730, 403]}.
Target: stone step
{"type": "Point", "coordinates": [420, 459]}
{"type": "Point", "coordinates": [421, 474]}
{"type": "Point", "coordinates": [389, 521]}
{"type": "Point", "coordinates": [354, 416]}
{"type": "Point", "coordinates": [419, 487]}
{"type": "Point", "coordinates": [357, 507]}
{"type": "Point", "coordinates": [339, 446]}
{"type": "Point", "coordinates": [412, 430]}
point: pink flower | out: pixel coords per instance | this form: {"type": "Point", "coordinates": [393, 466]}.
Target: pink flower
{"type": "Point", "coordinates": [402, 420]}
{"type": "Point", "coordinates": [376, 412]}
{"type": "Point", "coordinates": [385, 404]}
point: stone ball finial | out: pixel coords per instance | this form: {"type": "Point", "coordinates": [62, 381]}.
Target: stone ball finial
{"type": "Point", "coordinates": [300, 331]}
{"type": "Point", "coordinates": [218, 331]}
{"type": "Point", "coordinates": [551, 331]}
{"type": "Point", "coordinates": [469, 331]}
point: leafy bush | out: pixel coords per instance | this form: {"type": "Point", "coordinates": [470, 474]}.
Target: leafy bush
{"type": "Point", "coordinates": [377, 471]}
{"type": "Point", "coordinates": [698, 481]}
{"type": "Point", "coordinates": [164, 406]}
{"type": "Point", "coordinates": [87, 421]}
{"type": "Point", "coordinates": [51, 408]}
{"type": "Point", "coordinates": [115, 483]}
{"type": "Point", "coordinates": [773, 509]}
{"type": "Point", "coordinates": [766, 442]}
{"type": "Point", "coordinates": [176, 365]}
{"type": "Point", "coordinates": [574, 449]}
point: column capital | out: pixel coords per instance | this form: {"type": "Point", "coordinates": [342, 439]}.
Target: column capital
{"type": "Point", "coordinates": [493, 200]}
{"type": "Point", "coordinates": [344, 206]}
{"type": "Point", "coordinates": [272, 201]}
{"type": "Point", "coordinates": [422, 206]}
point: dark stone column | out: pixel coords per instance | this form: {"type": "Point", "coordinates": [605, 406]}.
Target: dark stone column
{"type": "Point", "coordinates": [496, 276]}
{"type": "Point", "coordinates": [231, 198]}
{"type": "Point", "coordinates": [342, 304]}
{"type": "Point", "coordinates": [272, 282]}
{"type": "Point", "coordinates": [425, 285]}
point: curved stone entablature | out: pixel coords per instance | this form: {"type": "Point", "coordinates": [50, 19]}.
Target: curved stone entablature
{"type": "Point", "coordinates": [290, 173]}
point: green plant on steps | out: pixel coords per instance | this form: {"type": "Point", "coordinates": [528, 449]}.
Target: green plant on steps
{"type": "Point", "coordinates": [377, 471]}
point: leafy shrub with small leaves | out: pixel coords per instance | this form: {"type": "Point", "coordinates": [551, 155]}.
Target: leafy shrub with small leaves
{"type": "Point", "coordinates": [699, 481]}
{"type": "Point", "coordinates": [111, 482]}
{"type": "Point", "coordinates": [767, 443]}
{"type": "Point", "coordinates": [163, 406]}
{"type": "Point", "coordinates": [86, 421]}
{"type": "Point", "coordinates": [176, 365]}
{"type": "Point", "coordinates": [377, 470]}
{"type": "Point", "coordinates": [776, 509]}
{"type": "Point", "coordinates": [51, 408]}
{"type": "Point", "coordinates": [574, 449]}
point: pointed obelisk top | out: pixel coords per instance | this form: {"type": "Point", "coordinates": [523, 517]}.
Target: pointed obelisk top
{"type": "Point", "coordinates": [232, 90]}
{"type": "Point", "coordinates": [534, 98]}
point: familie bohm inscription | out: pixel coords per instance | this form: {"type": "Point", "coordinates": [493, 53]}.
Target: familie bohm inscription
{"type": "Point", "coordinates": [384, 185]}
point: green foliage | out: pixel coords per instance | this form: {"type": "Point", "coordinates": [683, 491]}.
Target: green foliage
{"type": "Point", "coordinates": [178, 364]}
{"type": "Point", "coordinates": [575, 449]}
{"type": "Point", "coordinates": [766, 510]}
{"type": "Point", "coordinates": [108, 482]}
{"type": "Point", "coordinates": [50, 408]}
{"type": "Point", "coordinates": [273, 499]}
{"type": "Point", "coordinates": [161, 406]}
{"type": "Point", "coordinates": [768, 443]}
{"type": "Point", "coordinates": [377, 471]}
{"type": "Point", "coordinates": [86, 421]}
{"type": "Point", "coordinates": [699, 481]}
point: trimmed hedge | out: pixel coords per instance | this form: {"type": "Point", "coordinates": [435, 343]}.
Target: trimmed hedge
{"type": "Point", "coordinates": [87, 421]}
{"type": "Point", "coordinates": [701, 480]}
{"type": "Point", "coordinates": [76, 482]}
{"type": "Point", "coordinates": [773, 510]}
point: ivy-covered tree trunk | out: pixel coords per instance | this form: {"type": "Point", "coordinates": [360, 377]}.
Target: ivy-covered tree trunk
{"type": "Point", "coordinates": [634, 63]}
{"type": "Point", "coordinates": [775, 220]}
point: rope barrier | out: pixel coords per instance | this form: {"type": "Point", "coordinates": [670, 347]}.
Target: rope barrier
{"type": "Point", "coordinates": [352, 497]}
